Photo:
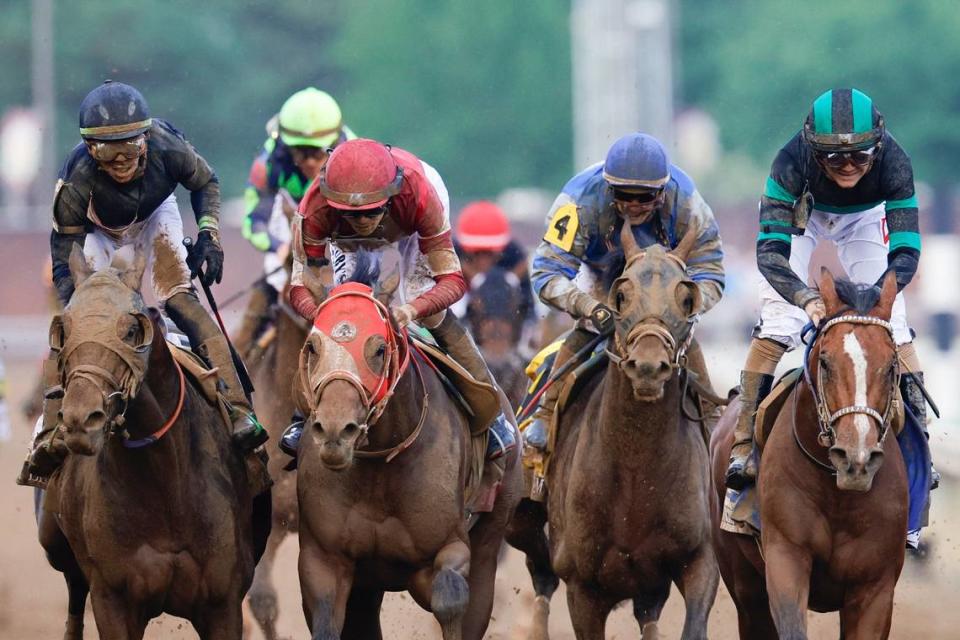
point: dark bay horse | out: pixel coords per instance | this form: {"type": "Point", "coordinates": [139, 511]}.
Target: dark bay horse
{"type": "Point", "coordinates": [271, 376]}
{"type": "Point", "coordinates": [152, 512]}
{"type": "Point", "coordinates": [381, 495]}
{"type": "Point", "coordinates": [629, 488]}
{"type": "Point", "coordinates": [832, 484]}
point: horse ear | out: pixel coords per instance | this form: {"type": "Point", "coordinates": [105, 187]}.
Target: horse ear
{"type": "Point", "coordinates": [628, 242]}
{"type": "Point", "coordinates": [313, 284]}
{"type": "Point", "coordinates": [686, 242]}
{"type": "Point", "coordinates": [888, 293]}
{"type": "Point", "coordinates": [828, 291]}
{"type": "Point", "coordinates": [79, 268]}
{"type": "Point", "coordinates": [132, 276]}
{"type": "Point", "coordinates": [384, 291]}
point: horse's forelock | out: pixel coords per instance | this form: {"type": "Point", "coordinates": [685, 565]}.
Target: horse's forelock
{"type": "Point", "coordinates": [367, 269]}
{"type": "Point", "coordinates": [858, 296]}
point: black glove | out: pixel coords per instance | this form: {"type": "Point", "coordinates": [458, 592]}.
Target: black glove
{"type": "Point", "coordinates": [206, 250]}
{"type": "Point", "coordinates": [602, 319]}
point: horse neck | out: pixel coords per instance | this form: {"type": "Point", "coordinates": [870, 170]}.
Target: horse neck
{"type": "Point", "coordinates": [638, 430]}
{"type": "Point", "coordinates": [154, 404]}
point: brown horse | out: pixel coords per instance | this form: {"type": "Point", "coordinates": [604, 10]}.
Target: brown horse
{"type": "Point", "coordinates": [152, 513]}
{"type": "Point", "coordinates": [833, 519]}
{"type": "Point", "coordinates": [272, 375]}
{"type": "Point", "coordinates": [628, 484]}
{"type": "Point", "coordinates": [381, 495]}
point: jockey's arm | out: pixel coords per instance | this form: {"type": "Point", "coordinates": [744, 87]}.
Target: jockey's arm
{"type": "Point", "coordinates": [258, 202]}
{"type": "Point", "coordinates": [902, 218]}
{"type": "Point", "coordinates": [783, 188]}
{"type": "Point", "coordinates": [435, 241]}
{"type": "Point", "coordinates": [195, 174]}
{"type": "Point", "coordinates": [69, 229]}
{"type": "Point", "coordinates": [557, 261]}
{"type": "Point", "coordinates": [705, 260]}
{"type": "Point", "coordinates": [308, 247]}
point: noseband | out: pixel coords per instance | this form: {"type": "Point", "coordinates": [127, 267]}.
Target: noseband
{"type": "Point", "coordinates": [825, 418]}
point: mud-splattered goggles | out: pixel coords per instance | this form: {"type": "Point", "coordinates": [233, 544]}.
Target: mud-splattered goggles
{"type": "Point", "coordinates": [637, 196]}
{"type": "Point", "coordinates": [840, 159]}
{"type": "Point", "coordinates": [111, 151]}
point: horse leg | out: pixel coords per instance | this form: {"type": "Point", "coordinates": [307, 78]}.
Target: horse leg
{"type": "Point", "coordinates": [698, 584]}
{"type": "Point", "coordinates": [485, 542]}
{"type": "Point", "coordinates": [788, 585]}
{"type": "Point", "coordinates": [647, 608]}
{"type": "Point", "coordinates": [450, 593]}
{"type": "Point", "coordinates": [363, 615]}
{"type": "Point", "coordinates": [325, 582]}
{"type": "Point", "coordinates": [263, 595]}
{"type": "Point", "coordinates": [222, 621]}
{"type": "Point", "coordinates": [116, 618]}
{"type": "Point", "coordinates": [526, 533]}
{"type": "Point", "coordinates": [867, 611]}
{"type": "Point", "coordinates": [588, 611]}
{"type": "Point", "coordinates": [60, 556]}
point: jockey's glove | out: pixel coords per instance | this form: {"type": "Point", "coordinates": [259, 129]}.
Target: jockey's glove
{"type": "Point", "coordinates": [404, 314]}
{"type": "Point", "coordinates": [206, 251]}
{"type": "Point", "coordinates": [602, 319]}
{"type": "Point", "coordinates": [816, 310]}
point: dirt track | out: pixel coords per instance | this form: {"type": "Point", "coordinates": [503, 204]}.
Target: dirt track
{"type": "Point", "coordinates": [33, 596]}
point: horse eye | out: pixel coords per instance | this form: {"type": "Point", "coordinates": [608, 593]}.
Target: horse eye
{"type": "Point", "coordinates": [133, 332]}
{"type": "Point", "coordinates": [382, 349]}
{"type": "Point", "coordinates": [620, 300]}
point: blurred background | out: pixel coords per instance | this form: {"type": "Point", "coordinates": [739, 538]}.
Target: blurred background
{"type": "Point", "coordinates": [507, 100]}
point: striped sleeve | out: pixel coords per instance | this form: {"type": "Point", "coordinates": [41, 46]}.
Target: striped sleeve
{"type": "Point", "coordinates": [705, 260]}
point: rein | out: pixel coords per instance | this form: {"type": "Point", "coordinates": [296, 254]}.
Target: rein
{"type": "Point", "coordinates": [825, 418]}
{"type": "Point", "coordinates": [162, 431]}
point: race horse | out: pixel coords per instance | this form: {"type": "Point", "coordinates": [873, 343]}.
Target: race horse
{"type": "Point", "coordinates": [628, 485]}
{"type": "Point", "coordinates": [152, 511]}
{"type": "Point", "coordinates": [832, 485]}
{"type": "Point", "coordinates": [381, 475]}
{"type": "Point", "coordinates": [272, 375]}
{"type": "Point", "coordinates": [495, 314]}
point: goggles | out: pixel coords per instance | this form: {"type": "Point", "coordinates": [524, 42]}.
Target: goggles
{"type": "Point", "coordinates": [301, 153]}
{"type": "Point", "coordinates": [110, 151]}
{"type": "Point", "coordinates": [642, 196]}
{"type": "Point", "coordinates": [840, 159]}
{"type": "Point", "coordinates": [356, 214]}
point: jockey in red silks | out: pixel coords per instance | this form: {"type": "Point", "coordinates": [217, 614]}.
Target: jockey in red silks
{"type": "Point", "coordinates": [372, 196]}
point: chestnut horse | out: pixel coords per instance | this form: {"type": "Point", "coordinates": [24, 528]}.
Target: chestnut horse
{"type": "Point", "coordinates": [381, 475]}
{"type": "Point", "coordinates": [629, 481]}
{"type": "Point", "coordinates": [152, 511]}
{"type": "Point", "coordinates": [831, 482]}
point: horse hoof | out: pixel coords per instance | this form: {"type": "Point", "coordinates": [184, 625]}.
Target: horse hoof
{"type": "Point", "coordinates": [650, 631]}
{"type": "Point", "coordinates": [450, 596]}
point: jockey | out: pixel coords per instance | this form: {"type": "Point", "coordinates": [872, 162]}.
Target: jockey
{"type": "Point", "coordinates": [483, 240]}
{"type": "Point", "coordinates": [372, 196]}
{"type": "Point", "coordinates": [308, 126]}
{"type": "Point", "coordinates": [115, 190]}
{"type": "Point", "coordinates": [636, 185]}
{"type": "Point", "coordinates": [844, 178]}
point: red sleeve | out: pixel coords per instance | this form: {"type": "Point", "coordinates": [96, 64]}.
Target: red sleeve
{"type": "Point", "coordinates": [302, 300]}
{"type": "Point", "coordinates": [450, 287]}
{"type": "Point", "coordinates": [317, 222]}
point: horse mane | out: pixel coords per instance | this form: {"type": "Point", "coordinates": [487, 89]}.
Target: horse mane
{"type": "Point", "coordinates": [610, 267]}
{"type": "Point", "coordinates": [367, 269]}
{"type": "Point", "coordinates": [857, 295]}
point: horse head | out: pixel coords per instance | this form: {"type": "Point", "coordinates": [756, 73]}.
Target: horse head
{"type": "Point", "coordinates": [103, 338]}
{"type": "Point", "coordinates": [494, 314]}
{"type": "Point", "coordinates": [349, 364]}
{"type": "Point", "coordinates": [655, 305]}
{"type": "Point", "coordinates": [853, 371]}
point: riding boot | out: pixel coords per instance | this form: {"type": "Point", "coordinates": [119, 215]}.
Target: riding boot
{"type": "Point", "coordinates": [917, 403]}
{"type": "Point", "coordinates": [257, 313]}
{"type": "Point", "coordinates": [454, 339]}
{"type": "Point", "coordinates": [48, 450]}
{"type": "Point", "coordinates": [537, 434]}
{"type": "Point", "coordinates": [248, 433]}
{"type": "Point", "coordinates": [754, 387]}
{"type": "Point", "coordinates": [190, 317]}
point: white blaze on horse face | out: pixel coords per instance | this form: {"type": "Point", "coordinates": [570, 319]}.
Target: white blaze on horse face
{"type": "Point", "coordinates": [851, 345]}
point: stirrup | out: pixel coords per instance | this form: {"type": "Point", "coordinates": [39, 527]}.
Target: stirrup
{"type": "Point", "coordinates": [535, 434]}
{"type": "Point", "coordinates": [738, 476]}
{"type": "Point", "coordinates": [502, 439]}
{"type": "Point", "coordinates": [290, 440]}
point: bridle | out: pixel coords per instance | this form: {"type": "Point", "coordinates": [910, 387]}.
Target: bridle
{"type": "Point", "coordinates": [826, 419]}
{"type": "Point", "coordinates": [376, 396]}
{"type": "Point", "coordinates": [116, 391]}
{"type": "Point", "coordinates": [652, 326]}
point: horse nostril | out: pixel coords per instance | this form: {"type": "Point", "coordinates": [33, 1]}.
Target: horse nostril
{"type": "Point", "coordinates": [351, 429]}
{"type": "Point", "coordinates": [94, 420]}
{"type": "Point", "coordinates": [664, 368]}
